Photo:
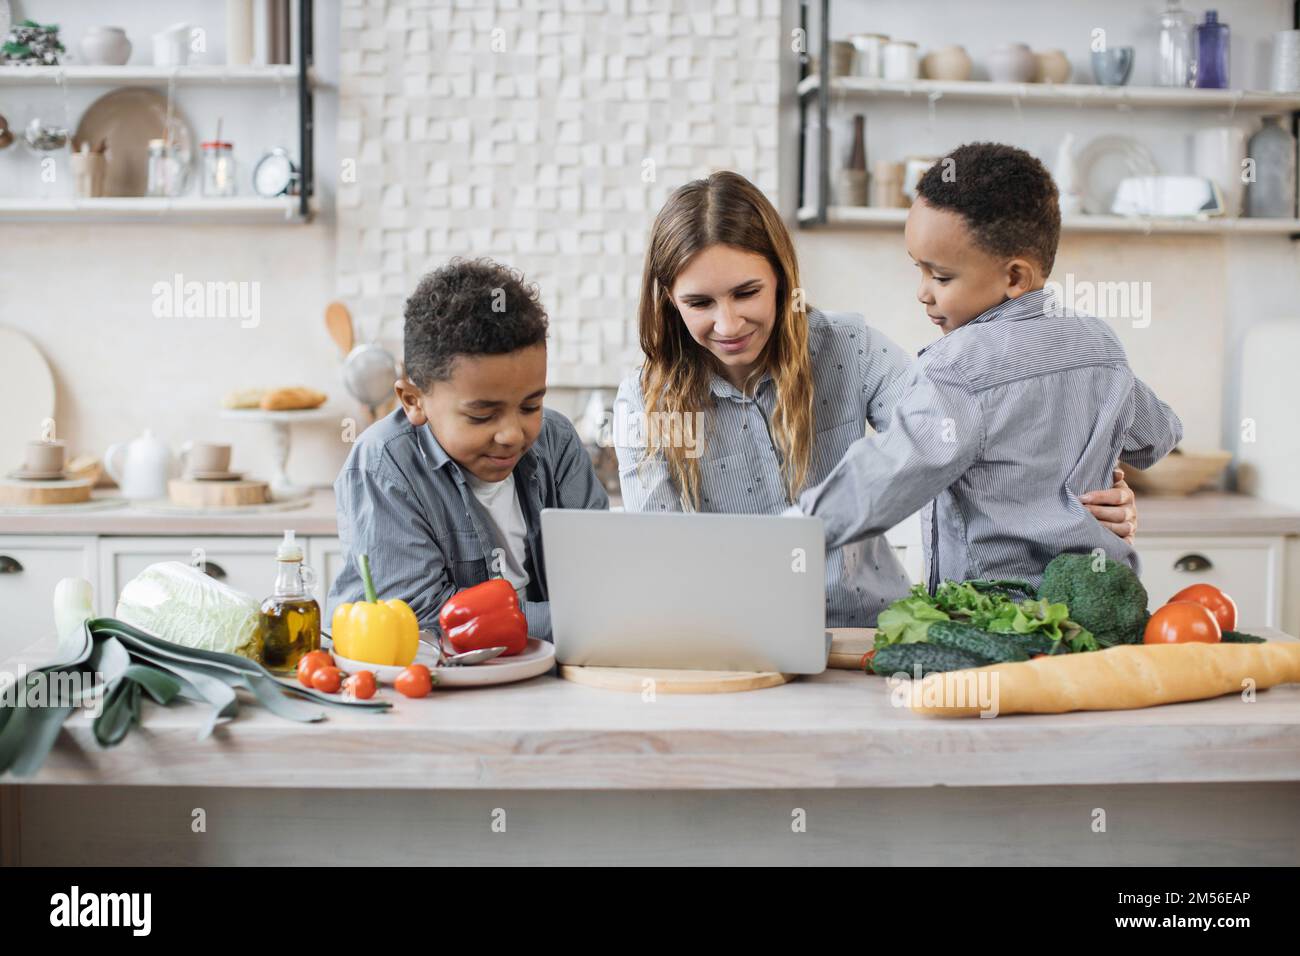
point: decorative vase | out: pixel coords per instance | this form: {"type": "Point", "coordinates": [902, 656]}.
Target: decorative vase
{"type": "Point", "coordinates": [1012, 63]}
{"type": "Point", "coordinates": [106, 46]}
{"type": "Point", "coordinates": [1053, 67]}
{"type": "Point", "coordinates": [949, 63]}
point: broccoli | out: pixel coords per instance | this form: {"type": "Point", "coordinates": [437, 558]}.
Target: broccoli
{"type": "Point", "coordinates": [1104, 596]}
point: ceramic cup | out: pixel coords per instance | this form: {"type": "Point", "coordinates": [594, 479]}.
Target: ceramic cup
{"type": "Point", "coordinates": [887, 185]}
{"type": "Point", "coordinates": [1111, 67]}
{"type": "Point", "coordinates": [901, 62]}
{"type": "Point", "coordinates": [43, 457]}
{"type": "Point", "coordinates": [869, 50]}
{"type": "Point", "coordinates": [171, 47]}
{"type": "Point", "coordinates": [206, 458]}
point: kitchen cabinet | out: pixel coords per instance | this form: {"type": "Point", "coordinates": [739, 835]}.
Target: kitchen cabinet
{"type": "Point", "coordinates": [30, 567]}
{"type": "Point", "coordinates": [325, 557]}
{"type": "Point", "coordinates": [244, 563]}
{"type": "Point", "coordinates": [1249, 567]}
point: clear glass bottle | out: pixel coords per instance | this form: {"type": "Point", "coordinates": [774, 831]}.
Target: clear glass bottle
{"type": "Point", "coordinates": [1176, 63]}
{"type": "Point", "coordinates": [290, 616]}
{"type": "Point", "coordinates": [1212, 53]}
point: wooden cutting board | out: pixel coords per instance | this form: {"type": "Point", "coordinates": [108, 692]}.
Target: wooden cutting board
{"type": "Point", "coordinates": [217, 494]}
{"type": "Point", "coordinates": [665, 681]}
{"type": "Point", "coordinates": [848, 644]}
{"type": "Point", "coordinates": [17, 492]}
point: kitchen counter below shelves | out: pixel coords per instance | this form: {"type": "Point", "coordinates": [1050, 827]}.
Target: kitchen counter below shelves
{"type": "Point", "coordinates": [1213, 512]}
{"type": "Point", "coordinates": [1208, 512]}
{"type": "Point", "coordinates": [839, 729]}
{"type": "Point", "coordinates": [317, 518]}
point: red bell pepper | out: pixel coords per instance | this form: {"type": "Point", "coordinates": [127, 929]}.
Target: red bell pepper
{"type": "Point", "coordinates": [485, 615]}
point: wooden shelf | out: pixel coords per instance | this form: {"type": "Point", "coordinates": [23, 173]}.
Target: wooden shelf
{"type": "Point", "coordinates": [210, 75]}
{"type": "Point", "coordinates": [1050, 94]}
{"type": "Point", "coordinates": [194, 209]}
{"type": "Point", "coordinates": [867, 217]}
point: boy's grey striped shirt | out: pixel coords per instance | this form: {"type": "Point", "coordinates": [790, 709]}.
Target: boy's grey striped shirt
{"type": "Point", "coordinates": [857, 377]}
{"type": "Point", "coordinates": [1004, 422]}
{"type": "Point", "coordinates": [404, 501]}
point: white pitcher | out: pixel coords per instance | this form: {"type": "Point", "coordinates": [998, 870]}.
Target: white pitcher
{"type": "Point", "coordinates": [141, 466]}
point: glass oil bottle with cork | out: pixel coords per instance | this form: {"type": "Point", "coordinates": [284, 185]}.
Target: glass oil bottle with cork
{"type": "Point", "coordinates": [290, 617]}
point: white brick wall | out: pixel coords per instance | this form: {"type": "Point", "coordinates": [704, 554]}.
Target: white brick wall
{"type": "Point", "coordinates": [527, 131]}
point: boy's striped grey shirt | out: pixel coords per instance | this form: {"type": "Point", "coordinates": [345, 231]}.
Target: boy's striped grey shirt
{"type": "Point", "coordinates": [1003, 423]}
{"type": "Point", "coordinates": [857, 376]}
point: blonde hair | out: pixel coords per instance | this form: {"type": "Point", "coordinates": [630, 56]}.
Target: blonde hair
{"type": "Point", "coordinates": [723, 209]}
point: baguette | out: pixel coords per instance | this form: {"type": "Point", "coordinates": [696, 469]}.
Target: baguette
{"type": "Point", "coordinates": [1118, 678]}
{"type": "Point", "coordinates": [292, 399]}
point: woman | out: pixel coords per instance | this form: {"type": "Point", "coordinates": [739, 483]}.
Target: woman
{"type": "Point", "coordinates": [748, 396]}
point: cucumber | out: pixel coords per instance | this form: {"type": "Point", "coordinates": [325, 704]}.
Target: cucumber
{"type": "Point", "coordinates": [929, 658]}
{"type": "Point", "coordinates": [1236, 637]}
{"type": "Point", "coordinates": [1032, 643]}
{"type": "Point", "coordinates": [990, 648]}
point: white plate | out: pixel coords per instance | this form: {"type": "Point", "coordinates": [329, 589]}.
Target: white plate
{"type": "Point", "coordinates": [537, 658]}
{"type": "Point", "coordinates": [1104, 163]}
{"type": "Point", "coordinates": [26, 394]}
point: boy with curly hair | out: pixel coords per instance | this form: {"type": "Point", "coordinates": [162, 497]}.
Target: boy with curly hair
{"type": "Point", "coordinates": [1016, 411]}
{"type": "Point", "coordinates": [447, 491]}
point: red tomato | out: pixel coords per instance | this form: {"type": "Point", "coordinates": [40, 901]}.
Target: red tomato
{"type": "Point", "coordinates": [360, 686]}
{"type": "Point", "coordinates": [327, 679]}
{"type": "Point", "coordinates": [414, 681]}
{"type": "Point", "coordinates": [1215, 601]}
{"type": "Point", "coordinates": [311, 662]}
{"type": "Point", "coordinates": [1182, 622]}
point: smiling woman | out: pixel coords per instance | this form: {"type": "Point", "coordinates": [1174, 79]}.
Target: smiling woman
{"type": "Point", "coordinates": [782, 389]}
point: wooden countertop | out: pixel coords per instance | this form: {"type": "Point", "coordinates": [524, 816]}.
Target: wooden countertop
{"type": "Point", "coordinates": [1204, 513]}
{"type": "Point", "coordinates": [838, 729]}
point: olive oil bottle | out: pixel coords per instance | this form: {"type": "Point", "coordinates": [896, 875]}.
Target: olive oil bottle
{"type": "Point", "coordinates": [290, 620]}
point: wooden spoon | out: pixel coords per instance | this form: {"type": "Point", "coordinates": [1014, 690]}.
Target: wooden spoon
{"type": "Point", "coordinates": [338, 320]}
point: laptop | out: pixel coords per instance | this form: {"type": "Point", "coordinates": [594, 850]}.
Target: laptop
{"type": "Point", "coordinates": [694, 591]}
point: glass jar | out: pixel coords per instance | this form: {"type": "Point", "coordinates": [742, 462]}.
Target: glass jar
{"type": "Point", "coordinates": [167, 170]}
{"type": "Point", "coordinates": [218, 169]}
{"type": "Point", "coordinates": [290, 617]}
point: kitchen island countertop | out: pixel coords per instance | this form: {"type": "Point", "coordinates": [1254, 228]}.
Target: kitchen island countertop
{"type": "Point", "coordinates": [835, 730]}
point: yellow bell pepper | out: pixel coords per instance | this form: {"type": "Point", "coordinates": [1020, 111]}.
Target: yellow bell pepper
{"type": "Point", "coordinates": [375, 631]}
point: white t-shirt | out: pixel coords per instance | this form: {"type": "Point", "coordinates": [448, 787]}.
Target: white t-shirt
{"type": "Point", "coordinates": [506, 518]}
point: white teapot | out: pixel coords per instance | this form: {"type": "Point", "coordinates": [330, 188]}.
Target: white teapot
{"type": "Point", "coordinates": [141, 466]}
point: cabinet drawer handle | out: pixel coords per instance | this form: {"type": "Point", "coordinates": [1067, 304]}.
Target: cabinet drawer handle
{"type": "Point", "coordinates": [1192, 563]}
{"type": "Point", "coordinates": [214, 570]}
{"type": "Point", "coordinates": [9, 565]}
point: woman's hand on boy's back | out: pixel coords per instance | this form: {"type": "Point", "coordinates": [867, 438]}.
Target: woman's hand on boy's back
{"type": "Point", "coordinates": [1115, 507]}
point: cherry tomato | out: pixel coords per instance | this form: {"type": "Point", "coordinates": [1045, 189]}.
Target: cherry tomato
{"type": "Point", "coordinates": [1219, 604]}
{"type": "Point", "coordinates": [327, 679]}
{"type": "Point", "coordinates": [360, 685]}
{"type": "Point", "coordinates": [414, 681]}
{"type": "Point", "coordinates": [311, 662]}
{"type": "Point", "coordinates": [1182, 622]}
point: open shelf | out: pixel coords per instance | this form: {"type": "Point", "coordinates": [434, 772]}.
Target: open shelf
{"type": "Point", "coordinates": [192, 209]}
{"type": "Point", "coordinates": [280, 75]}
{"type": "Point", "coordinates": [868, 217]}
{"type": "Point", "coordinates": [1051, 94]}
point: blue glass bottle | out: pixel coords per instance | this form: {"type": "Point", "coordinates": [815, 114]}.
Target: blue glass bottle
{"type": "Point", "coordinates": [1212, 53]}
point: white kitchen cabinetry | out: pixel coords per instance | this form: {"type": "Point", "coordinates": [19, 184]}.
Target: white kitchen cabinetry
{"type": "Point", "coordinates": [325, 555]}
{"type": "Point", "coordinates": [244, 563]}
{"type": "Point", "coordinates": [1249, 567]}
{"type": "Point", "coordinates": [30, 567]}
